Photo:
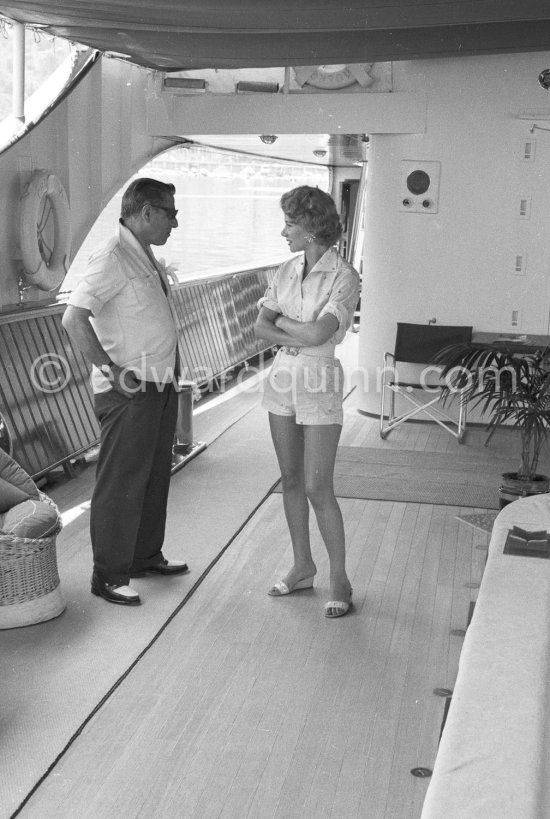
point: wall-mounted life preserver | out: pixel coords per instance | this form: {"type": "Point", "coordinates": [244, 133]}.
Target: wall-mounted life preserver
{"type": "Point", "coordinates": [334, 77]}
{"type": "Point", "coordinates": [43, 199]}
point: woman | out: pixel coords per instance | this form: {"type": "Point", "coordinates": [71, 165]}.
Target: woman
{"type": "Point", "coordinates": [307, 310]}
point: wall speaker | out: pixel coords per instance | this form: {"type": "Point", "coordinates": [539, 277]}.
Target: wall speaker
{"type": "Point", "coordinates": [419, 186]}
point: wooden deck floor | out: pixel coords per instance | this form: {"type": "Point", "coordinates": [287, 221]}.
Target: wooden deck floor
{"type": "Point", "coordinates": [215, 700]}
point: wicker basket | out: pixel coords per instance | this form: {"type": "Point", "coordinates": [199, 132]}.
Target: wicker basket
{"type": "Point", "coordinates": [29, 581]}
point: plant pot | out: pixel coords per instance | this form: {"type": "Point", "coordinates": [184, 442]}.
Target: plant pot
{"type": "Point", "coordinates": [513, 487]}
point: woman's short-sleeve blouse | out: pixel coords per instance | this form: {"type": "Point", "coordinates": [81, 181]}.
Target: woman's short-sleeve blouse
{"type": "Point", "coordinates": [332, 286]}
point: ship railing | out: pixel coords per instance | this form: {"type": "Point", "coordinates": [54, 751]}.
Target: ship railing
{"type": "Point", "coordinates": [46, 403]}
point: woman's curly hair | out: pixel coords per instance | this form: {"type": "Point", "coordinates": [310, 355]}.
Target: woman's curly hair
{"type": "Point", "coordinates": [314, 210]}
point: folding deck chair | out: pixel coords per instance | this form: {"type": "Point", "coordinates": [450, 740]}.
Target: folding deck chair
{"type": "Point", "coordinates": [416, 344]}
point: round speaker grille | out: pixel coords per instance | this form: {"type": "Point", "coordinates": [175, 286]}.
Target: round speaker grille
{"type": "Point", "coordinates": [418, 182]}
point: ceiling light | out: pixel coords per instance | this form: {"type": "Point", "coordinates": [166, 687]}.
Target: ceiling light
{"type": "Point", "coordinates": [268, 139]}
{"type": "Point", "coordinates": [319, 153]}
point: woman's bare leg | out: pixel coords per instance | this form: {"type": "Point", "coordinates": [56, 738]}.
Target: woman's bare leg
{"type": "Point", "coordinates": [288, 440]}
{"type": "Point", "coordinates": [321, 444]}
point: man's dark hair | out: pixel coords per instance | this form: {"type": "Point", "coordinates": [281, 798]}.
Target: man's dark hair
{"type": "Point", "coordinates": [141, 191]}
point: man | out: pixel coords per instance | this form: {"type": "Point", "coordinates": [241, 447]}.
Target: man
{"type": "Point", "coordinates": [120, 316]}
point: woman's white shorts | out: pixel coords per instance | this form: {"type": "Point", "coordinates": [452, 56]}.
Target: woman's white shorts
{"type": "Point", "coordinates": [307, 386]}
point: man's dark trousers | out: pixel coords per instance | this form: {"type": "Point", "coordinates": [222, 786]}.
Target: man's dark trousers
{"type": "Point", "coordinates": [128, 508]}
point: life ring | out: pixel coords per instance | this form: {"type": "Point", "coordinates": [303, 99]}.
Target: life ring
{"type": "Point", "coordinates": [44, 197]}
{"type": "Point", "coordinates": [334, 77]}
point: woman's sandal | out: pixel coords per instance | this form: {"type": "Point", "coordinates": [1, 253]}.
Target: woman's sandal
{"type": "Point", "coordinates": [337, 608]}
{"type": "Point", "coordinates": [281, 588]}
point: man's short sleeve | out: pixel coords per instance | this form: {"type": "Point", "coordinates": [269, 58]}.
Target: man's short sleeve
{"type": "Point", "coordinates": [102, 281]}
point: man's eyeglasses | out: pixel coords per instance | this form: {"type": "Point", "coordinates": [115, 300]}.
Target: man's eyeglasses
{"type": "Point", "coordinates": [170, 212]}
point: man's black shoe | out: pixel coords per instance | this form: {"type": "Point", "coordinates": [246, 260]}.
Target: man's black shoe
{"type": "Point", "coordinates": [166, 567]}
{"type": "Point", "coordinates": [124, 595]}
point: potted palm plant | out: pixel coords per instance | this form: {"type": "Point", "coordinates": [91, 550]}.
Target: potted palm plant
{"type": "Point", "coordinates": [511, 389]}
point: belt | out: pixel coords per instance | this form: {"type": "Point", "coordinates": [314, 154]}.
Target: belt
{"type": "Point", "coordinates": [309, 352]}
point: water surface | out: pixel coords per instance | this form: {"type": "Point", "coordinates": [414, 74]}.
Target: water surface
{"type": "Point", "coordinates": [229, 215]}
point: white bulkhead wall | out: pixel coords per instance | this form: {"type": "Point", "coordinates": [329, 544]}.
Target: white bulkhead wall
{"type": "Point", "coordinates": [457, 263]}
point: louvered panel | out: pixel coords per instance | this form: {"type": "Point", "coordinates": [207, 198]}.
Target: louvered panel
{"type": "Point", "coordinates": [212, 329]}
{"type": "Point", "coordinates": [77, 399]}
{"type": "Point", "coordinates": [198, 356]}
{"type": "Point", "coordinates": [45, 394]}
{"type": "Point", "coordinates": [211, 315]}
{"type": "Point", "coordinates": [221, 295]}
{"type": "Point", "coordinates": [13, 402]}
{"type": "Point", "coordinates": [60, 382]}
{"type": "Point", "coordinates": [34, 417]}
{"type": "Point", "coordinates": [247, 289]}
